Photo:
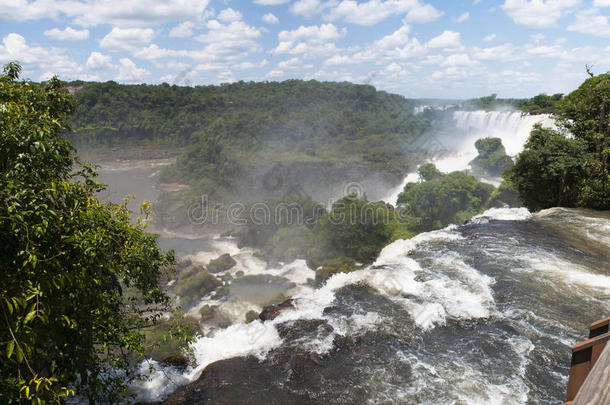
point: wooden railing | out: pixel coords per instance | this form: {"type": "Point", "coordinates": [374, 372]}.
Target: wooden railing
{"type": "Point", "coordinates": [589, 381]}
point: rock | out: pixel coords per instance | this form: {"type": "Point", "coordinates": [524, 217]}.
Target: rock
{"type": "Point", "coordinates": [207, 312]}
{"type": "Point", "coordinates": [239, 273]}
{"type": "Point", "coordinates": [179, 361]}
{"type": "Point", "coordinates": [335, 266]}
{"type": "Point", "coordinates": [272, 311]}
{"type": "Point", "coordinates": [221, 263]}
{"type": "Point", "coordinates": [251, 316]}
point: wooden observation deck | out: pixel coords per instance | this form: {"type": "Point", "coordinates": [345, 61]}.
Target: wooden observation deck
{"type": "Point", "coordinates": [589, 382]}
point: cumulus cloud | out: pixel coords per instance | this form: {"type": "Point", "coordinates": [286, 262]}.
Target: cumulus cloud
{"type": "Point", "coordinates": [307, 8]}
{"type": "Point", "coordinates": [229, 15]}
{"type": "Point", "coordinates": [132, 13]}
{"type": "Point", "coordinates": [489, 37]}
{"type": "Point", "coordinates": [395, 46]}
{"type": "Point", "coordinates": [48, 59]}
{"type": "Point", "coordinates": [129, 72]}
{"type": "Point", "coordinates": [67, 34]}
{"type": "Point", "coordinates": [270, 18]}
{"type": "Point", "coordinates": [309, 41]}
{"type": "Point", "coordinates": [226, 43]}
{"type": "Point", "coordinates": [127, 39]}
{"type": "Point", "coordinates": [374, 11]}
{"type": "Point", "coordinates": [182, 30]}
{"type": "Point", "coordinates": [99, 61]}
{"type": "Point", "coordinates": [448, 39]}
{"type": "Point", "coordinates": [423, 14]}
{"type": "Point", "coordinates": [591, 22]}
{"type": "Point", "coordinates": [601, 3]}
{"type": "Point", "coordinates": [537, 13]}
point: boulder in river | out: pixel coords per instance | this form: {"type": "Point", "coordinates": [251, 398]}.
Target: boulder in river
{"type": "Point", "coordinates": [221, 263]}
{"type": "Point", "coordinates": [272, 311]}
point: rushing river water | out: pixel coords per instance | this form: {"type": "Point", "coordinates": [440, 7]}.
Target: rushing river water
{"type": "Point", "coordinates": [484, 312]}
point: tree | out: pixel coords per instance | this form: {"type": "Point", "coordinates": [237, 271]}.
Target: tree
{"type": "Point", "coordinates": [77, 279]}
{"type": "Point", "coordinates": [550, 170]}
{"type": "Point", "coordinates": [555, 169]}
{"type": "Point", "coordinates": [492, 159]}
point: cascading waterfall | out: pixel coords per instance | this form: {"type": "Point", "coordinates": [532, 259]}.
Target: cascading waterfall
{"type": "Point", "coordinates": [513, 127]}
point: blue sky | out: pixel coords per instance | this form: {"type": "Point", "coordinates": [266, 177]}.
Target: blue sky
{"type": "Point", "coordinates": [417, 48]}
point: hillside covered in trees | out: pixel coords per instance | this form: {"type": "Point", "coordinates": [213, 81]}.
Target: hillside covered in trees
{"type": "Point", "coordinates": [255, 140]}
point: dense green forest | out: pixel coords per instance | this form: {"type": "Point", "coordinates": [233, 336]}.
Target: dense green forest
{"type": "Point", "coordinates": [232, 133]}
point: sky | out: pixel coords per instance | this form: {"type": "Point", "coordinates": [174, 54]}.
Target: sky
{"type": "Point", "coordinates": [417, 48]}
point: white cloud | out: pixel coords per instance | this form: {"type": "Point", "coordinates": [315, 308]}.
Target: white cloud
{"type": "Point", "coordinates": [309, 41]}
{"type": "Point", "coordinates": [423, 14]}
{"type": "Point", "coordinates": [537, 13]}
{"type": "Point", "coordinates": [67, 34]}
{"type": "Point", "coordinates": [459, 59]}
{"type": "Point", "coordinates": [338, 60]}
{"type": "Point", "coordinates": [489, 37]}
{"type": "Point", "coordinates": [182, 30]}
{"type": "Point", "coordinates": [601, 3]}
{"type": "Point", "coordinates": [153, 51]}
{"type": "Point", "coordinates": [374, 11]}
{"type": "Point", "coordinates": [99, 61]}
{"type": "Point", "coordinates": [395, 46]}
{"type": "Point", "coordinates": [306, 8]}
{"type": "Point", "coordinates": [122, 13]}
{"type": "Point", "coordinates": [226, 43]}
{"type": "Point", "coordinates": [129, 72]}
{"type": "Point", "coordinates": [292, 63]}
{"type": "Point", "coordinates": [270, 2]}
{"type": "Point", "coordinates": [229, 15]}
{"type": "Point", "coordinates": [274, 74]}
{"type": "Point", "coordinates": [127, 39]}
{"type": "Point", "coordinates": [591, 22]}
{"type": "Point", "coordinates": [448, 39]}
{"type": "Point", "coordinates": [463, 17]}
{"type": "Point", "coordinates": [270, 18]}
{"type": "Point", "coordinates": [15, 47]}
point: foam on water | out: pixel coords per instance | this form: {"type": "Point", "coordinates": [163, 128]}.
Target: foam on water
{"type": "Point", "coordinates": [255, 338]}
{"type": "Point", "coordinates": [502, 214]}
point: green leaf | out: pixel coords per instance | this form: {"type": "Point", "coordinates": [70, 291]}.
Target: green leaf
{"type": "Point", "coordinates": [9, 349]}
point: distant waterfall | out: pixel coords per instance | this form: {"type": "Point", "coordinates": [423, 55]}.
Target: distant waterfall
{"type": "Point", "coordinates": [513, 127]}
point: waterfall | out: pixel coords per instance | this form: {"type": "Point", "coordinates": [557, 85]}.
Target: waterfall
{"type": "Point", "coordinates": [513, 127]}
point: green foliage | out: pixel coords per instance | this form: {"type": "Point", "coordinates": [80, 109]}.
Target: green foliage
{"type": "Point", "coordinates": [450, 199]}
{"type": "Point", "coordinates": [334, 266]}
{"type": "Point", "coordinates": [169, 337]}
{"type": "Point", "coordinates": [353, 228]}
{"type": "Point", "coordinates": [539, 104]}
{"type": "Point", "coordinates": [193, 284]}
{"type": "Point", "coordinates": [555, 170]}
{"type": "Point", "coordinates": [428, 171]}
{"type": "Point", "coordinates": [492, 159]}
{"type": "Point", "coordinates": [550, 170]}
{"type": "Point", "coordinates": [66, 260]}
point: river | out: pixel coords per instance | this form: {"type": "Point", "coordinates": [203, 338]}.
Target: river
{"type": "Point", "coordinates": [484, 312]}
